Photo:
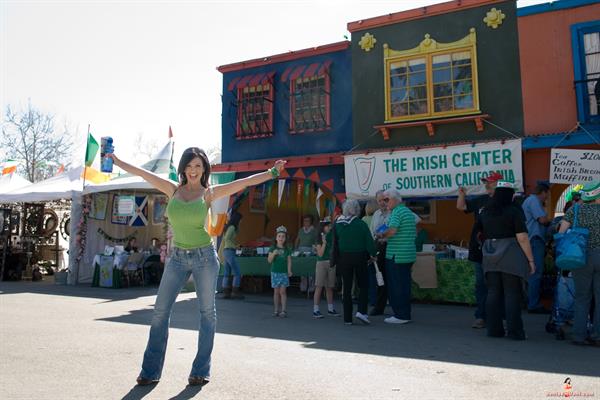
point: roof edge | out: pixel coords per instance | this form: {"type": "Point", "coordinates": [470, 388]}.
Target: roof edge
{"type": "Point", "coordinates": [553, 6]}
{"type": "Point", "coordinates": [291, 55]}
{"type": "Point", "coordinates": [417, 13]}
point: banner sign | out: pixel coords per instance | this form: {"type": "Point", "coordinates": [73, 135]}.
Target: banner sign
{"type": "Point", "coordinates": [433, 172]}
{"type": "Point", "coordinates": [574, 166]}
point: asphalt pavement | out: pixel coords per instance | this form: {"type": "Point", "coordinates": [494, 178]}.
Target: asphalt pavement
{"type": "Point", "coordinates": [78, 342]}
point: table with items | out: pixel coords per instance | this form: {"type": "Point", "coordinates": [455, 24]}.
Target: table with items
{"type": "Point", "coordinates": [109, 269]}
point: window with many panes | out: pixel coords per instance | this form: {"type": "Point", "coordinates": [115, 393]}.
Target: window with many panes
{"type": "Point", "coordinates": [255, 111]}
{"type": "Point", "coordinates": [591, 45]}
{"type": "Point", "coordinates": [427, 82]}
{"type": "Point", "coordinates": [309, 104]}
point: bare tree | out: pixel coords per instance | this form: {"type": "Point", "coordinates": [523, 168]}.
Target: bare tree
{"type": "Point", "coordinates": [145, 147]}
{"type": "Point", "coordinates": [30, 137]}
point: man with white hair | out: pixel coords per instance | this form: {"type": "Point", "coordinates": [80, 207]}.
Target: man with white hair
{"type": "Point", "coordinates": [400, 255]}
{"type": "Point", "coordinates": [379, 220]}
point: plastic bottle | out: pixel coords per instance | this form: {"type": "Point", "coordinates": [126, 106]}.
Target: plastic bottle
{"type": "Point", "coordinates": [106, 147]}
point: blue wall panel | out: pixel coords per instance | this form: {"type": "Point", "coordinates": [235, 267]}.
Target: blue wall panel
{"type": "Point", "coordinates": [282, 143]}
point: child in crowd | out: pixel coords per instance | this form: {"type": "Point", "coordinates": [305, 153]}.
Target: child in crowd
{"type": "Point", "coordinates": [280, 258]}
{"type": "Point", "coordinates": [324, 274]}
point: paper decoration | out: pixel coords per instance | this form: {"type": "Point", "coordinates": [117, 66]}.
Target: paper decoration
{"type": "Point", "coordinates": [319, 194]}
{"type": "Point", "coordinates": [98, 206]}
{"type": "Point", "coordinates": [159, 207]}
{"type": "Point", "coordinates": [139, 215]}
{"type": "Point", "coordinates": [125, 206]}
{"type": "Point", "coordinates": [280, 189]}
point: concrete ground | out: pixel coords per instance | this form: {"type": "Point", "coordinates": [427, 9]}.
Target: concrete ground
{"type": "Point", "coordinates": [65, 342]}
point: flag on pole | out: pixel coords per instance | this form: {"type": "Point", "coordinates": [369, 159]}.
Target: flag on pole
{"type": "Point", "coordinates": [172, 169]}
{"type": "Point", "coordinates": [217, 217]}
{"type": "Point", "coordinates": [9, 167]}
{"type": "Point", "coordinates": [91, 150]}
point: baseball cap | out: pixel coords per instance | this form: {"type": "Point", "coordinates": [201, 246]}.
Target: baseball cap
{"type": "Point", "coordinates": [492, 177]}
{"type": "Point", "coordinates": [505, 184]}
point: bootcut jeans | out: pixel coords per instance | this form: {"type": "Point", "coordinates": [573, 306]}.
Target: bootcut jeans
{"type": "Point", "coordinates": [203, 265]}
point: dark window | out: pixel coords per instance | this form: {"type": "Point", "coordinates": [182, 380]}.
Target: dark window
{"type": "Point", "coordinates": [309, 104]}
{"type": "Point", "coordinates": [255, 111]}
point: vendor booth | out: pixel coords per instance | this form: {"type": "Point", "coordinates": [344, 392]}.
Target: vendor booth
{"type": "Point", "coordinates": [121, 233]}
{"type": "Point", "coordinates": [36, 223]}
{"type": "Point", "coordinates": [301, 190]}
{"type": "Point", "coordinates": [428, 179]}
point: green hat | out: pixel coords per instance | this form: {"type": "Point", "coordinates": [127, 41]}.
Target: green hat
{"type": "Point", "coordinates": [591, 191]}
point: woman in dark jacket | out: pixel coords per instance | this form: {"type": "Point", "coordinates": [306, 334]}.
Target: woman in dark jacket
{"type": "Point", "coordinates": [353, 247]}
{"type": "Point", "coordinates": [507, 261]}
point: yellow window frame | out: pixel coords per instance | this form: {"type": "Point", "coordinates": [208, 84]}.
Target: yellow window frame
{"type": "Point", "coordinates": [427, 49]}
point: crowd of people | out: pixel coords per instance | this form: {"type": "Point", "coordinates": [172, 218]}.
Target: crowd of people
{"type": "Point", "coordinates": [508, 248]}
{"type": "Point", "coordinates": [504, 248]}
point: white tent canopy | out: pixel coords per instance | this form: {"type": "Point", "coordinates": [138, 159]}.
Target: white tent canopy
{"type": "Point", "coordinates": [11, 182]}
{"type": "Point", "coordinates": [121, 183]}
{"type": "Point", "coordinates": [58, 187]}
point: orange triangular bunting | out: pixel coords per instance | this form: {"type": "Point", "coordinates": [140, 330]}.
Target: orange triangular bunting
{"type": "Point", "coordinates": [341, 197]}
{"type": "Point", "coordinates": [299, 174]}
{"type": "Point", "coordinates": [328, 184]}
{"type": "Point", "coordinates": [284, 174]}
{"type": "Point", "coordinates": [315, 177]}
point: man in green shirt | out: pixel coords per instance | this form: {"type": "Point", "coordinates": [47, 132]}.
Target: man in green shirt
{"type": "Point", "coordinates": [399, 257]}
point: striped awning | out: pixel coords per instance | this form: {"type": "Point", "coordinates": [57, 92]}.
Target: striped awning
{"type": "Point", "coordinates": [305, 71]}
{"type": "Point", "coordinates": [251, 80]}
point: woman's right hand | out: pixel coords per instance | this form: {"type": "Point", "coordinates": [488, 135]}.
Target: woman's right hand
{"type": "Point", "coordinates": [531, 267]}
{"type": "Point", "coordinates": [115, 159]}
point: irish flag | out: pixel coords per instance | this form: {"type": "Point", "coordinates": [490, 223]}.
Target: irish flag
{"type": "Point", "coordinates": [91, 172]}
{"type": "Point", "coordinates": [9, 167]}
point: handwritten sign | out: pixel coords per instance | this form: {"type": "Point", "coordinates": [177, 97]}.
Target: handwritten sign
{"type": "Point", "coordinates": [574, 166]}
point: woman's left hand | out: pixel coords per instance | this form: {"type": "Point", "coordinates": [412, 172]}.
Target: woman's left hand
{"type": "Point", "coordinates": [280, 165]}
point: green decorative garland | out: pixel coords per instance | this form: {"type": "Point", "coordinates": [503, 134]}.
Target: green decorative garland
{"type": "Point", "coordinates": [106, 236]}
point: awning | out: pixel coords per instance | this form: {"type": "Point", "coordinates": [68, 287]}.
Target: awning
{"type": "Point", "coordinates": [251, 80]}
{"type": "Point", "coordinates": [305, 71]}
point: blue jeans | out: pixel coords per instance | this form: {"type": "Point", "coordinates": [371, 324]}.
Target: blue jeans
{"type": "Point", "coordinates": [203, 265]}
{"type": "Point", "coordinates": [538, 248]}
{"type": "Point", "coordinates": [587, 283]}
{"type": "Point", "coordinates": [398, 281]}
{"type": "Point", "coordinates": [480, 291]}
{"type": "Point", "coordinates": [231, 267]}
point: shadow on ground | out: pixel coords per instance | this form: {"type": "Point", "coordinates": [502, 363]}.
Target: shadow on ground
{"type": "Point", "coordinates": [438, 333]}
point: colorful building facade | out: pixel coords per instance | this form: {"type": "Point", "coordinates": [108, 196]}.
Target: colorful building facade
{"type": "Point", "coordinates": [295, 106]}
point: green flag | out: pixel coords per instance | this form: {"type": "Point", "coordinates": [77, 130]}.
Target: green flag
{"type": "Point", "coordinates": [90, 150]}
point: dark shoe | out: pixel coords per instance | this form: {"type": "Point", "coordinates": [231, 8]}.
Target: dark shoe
{"type": "Point", "coordinates": [226, 293]}
{"type": "Point", "coordinates": [478, 324]}
{"type": "Point", "coordinates": [197, 381]}
{"type": "Point", "coordinates": [145, 381]}
{"type": "Point", "coordinates": [375, 312]}
{"type": "Point", "coordinates": [539, 310]}
{"type": "Point", "coordinates": [517, 336]}
{"type": "Point", "coordinates": [236, 294]}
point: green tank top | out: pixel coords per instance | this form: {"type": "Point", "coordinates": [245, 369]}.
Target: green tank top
{"type": "Point", "coordinates": [187, 222]}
